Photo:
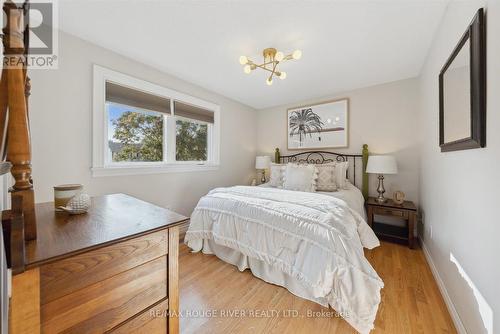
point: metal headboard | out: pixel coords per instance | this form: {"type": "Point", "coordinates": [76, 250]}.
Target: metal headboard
{"type": "Point", "coordinates": [323, 157]}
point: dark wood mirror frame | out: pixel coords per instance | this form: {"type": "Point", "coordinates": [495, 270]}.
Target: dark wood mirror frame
{"type": "Point", "coordinates": [476, 35]}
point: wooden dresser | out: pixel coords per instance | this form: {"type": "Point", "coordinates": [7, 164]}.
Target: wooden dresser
{"type": "Point", "coordinates": [111, 270]}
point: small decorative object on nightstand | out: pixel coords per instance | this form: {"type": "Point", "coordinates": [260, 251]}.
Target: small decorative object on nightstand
{"type": "Point", "coordinates": [406, 211]}
{"type": "Point", "coordinates": [262, 163]}
{"type": "Point", "coordinates": [381, 164]}
{"type": "Point", "coordinates": [398, 197]}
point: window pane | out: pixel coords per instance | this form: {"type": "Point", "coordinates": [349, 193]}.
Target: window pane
{"type": "Point", "coordinates": [134, 135]}
{"type": "Point", "coordinates": [191, 140]}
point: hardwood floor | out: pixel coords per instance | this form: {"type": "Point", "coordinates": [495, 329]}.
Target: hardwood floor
{"type": "Point", "coordinates": [411, 301]}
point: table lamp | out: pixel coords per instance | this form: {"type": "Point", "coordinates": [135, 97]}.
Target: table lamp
{"type": "Point", "coordinates": [262, 163]}
{"type": "Point", "coordinates": [381, 164]}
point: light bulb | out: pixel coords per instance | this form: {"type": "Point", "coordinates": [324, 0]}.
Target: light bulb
{"type": "Point", "coordinates": [279, 56]}
{"type": "Point", "coordinates": [297, 54]}
{"type": "Point", "coordinates": [243, 60]}
{"type": "Point", "coordinates": [283, 75]}
{"type": "Point", "coordinates": [247, 69]}
{"type": "Point", "coordinates": [269, 81]}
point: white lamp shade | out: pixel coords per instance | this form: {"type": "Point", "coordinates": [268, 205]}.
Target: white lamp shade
{"type": "Point", "coordinates": [381, 164]}
{"type": "Point", "coordinates": [262, 162]}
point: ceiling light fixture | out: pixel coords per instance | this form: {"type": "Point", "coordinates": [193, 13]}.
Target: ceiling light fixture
{"type": "Point", "coordinates": [272, 58]}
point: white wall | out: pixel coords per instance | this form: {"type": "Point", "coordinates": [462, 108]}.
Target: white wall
{"type": "Point", "coordinates": [459, 190]}
{"type": "Point", "coordinates": [382, 116]}
{"type": "Point", "coordinates": [61, 109]}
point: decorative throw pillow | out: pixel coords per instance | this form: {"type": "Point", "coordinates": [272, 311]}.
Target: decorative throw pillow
{"type": "Point", "coordinates": [300, 177]}
{"type": "Point", "coordinates": [326, 177]}
{"type": "Point", "coordinates": [276, 177]}
{"type": "Point", "coordinates": [340, 174]}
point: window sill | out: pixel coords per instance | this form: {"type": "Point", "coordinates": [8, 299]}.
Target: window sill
{"type": "Point", "coordinates": [154, 169]}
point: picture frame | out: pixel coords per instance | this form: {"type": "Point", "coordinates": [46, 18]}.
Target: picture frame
{"type": "Point", "coordinates": [463, 125]}
{"type": "Point", "coordinates": [321, 125]}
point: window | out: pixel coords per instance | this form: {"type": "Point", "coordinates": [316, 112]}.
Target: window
{"type": "Point", "coordinates": [193, 127]}
{"type": "Point", "coordinates": [191, 139]}
{"type": "Point", "coordinates": [135, 124]}
{"type": "Point", "coordinates": [140, 127]}
{"type": "Point", "coordinates": [134, 134]}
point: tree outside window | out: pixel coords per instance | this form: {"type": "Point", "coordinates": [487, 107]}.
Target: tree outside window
{"type": "Point", "coordinates": [191, 141]}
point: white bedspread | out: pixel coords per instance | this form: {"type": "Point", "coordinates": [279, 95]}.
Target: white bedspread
{"type": "Point", "coordinates": [314, 238]}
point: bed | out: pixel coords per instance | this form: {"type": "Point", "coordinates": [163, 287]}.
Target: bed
{"type": "Point", "coordinates": [311, 243]}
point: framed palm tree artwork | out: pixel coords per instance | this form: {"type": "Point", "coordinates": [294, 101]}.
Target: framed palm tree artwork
{"type": "Point", "coordinates": [322, 125]}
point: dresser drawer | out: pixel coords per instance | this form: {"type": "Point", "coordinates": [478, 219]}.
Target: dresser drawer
{"type": "Point", "coordinates": [153, 320]}
{"type": "Point", "coordinates": [63, 277]}
{"type": "Point", "coordinates": [104, 305]}
{"type": "Point", "coordinates": [390, 212]}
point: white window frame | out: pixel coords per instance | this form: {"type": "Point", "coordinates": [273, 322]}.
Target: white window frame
{"type": "Point", "coordinates": [101, 166]}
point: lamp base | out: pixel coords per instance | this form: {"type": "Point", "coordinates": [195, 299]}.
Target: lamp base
{"type": "Point", "coordinates": [381, 190]}
{"type": "Point", "coordinates": [263, 178]}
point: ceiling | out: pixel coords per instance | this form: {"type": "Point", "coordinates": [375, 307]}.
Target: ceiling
{"type": "Point", "coordinates": [345, 44]}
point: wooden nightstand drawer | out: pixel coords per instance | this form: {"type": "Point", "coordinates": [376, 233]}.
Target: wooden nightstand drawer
{"type": "Point", "coordinates": [390, 212]}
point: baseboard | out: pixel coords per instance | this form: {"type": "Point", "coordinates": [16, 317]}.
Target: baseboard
{"type": "Point", "coordinates": [459, 326]}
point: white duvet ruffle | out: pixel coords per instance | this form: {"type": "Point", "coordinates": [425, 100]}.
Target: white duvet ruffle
{"type": "Point", "coordinates": [314, 238]}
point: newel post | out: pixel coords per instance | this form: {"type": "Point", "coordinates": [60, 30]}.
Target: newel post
{"type": "Point", "coordinates": [18, 132]}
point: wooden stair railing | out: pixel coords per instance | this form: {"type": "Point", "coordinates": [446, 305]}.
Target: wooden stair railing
{"type": "Point", "coordinates": [14, 120]}
{"type": "Point", "coordinates": [18, 223]}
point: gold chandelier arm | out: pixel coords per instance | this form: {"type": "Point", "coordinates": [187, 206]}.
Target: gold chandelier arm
{"type": "Point", "coordinates": [250, 62]}
{"type": "Point", "coordinates": [264, 68]}
{"type": "Point", "coordinates": [273, 71]}
{"type": "Point", "coordinates": [270, 62]}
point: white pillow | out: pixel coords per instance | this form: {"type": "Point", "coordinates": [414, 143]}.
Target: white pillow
{"type": "Point", "coordinates": [326, 177]}
{"type": "Point", "coordinates": [276, 177]}
{"type": "Point", "coordinates": [340, 174]}
{"type": "Point", "coordinates": [300, 177]}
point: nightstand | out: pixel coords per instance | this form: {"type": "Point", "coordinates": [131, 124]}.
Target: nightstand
{"type": "Point", "coordinates": [406, 211]}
